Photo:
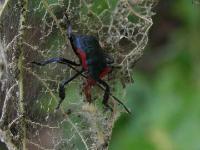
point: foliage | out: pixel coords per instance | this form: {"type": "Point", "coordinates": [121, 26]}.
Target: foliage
{"type": "Point", "coordinates": [165, 96]}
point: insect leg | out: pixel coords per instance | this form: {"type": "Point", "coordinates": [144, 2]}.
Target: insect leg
{"type": "Point", "coordinates": [87, 87]}
{"type": "Point", "coordinates": [114, 98]}
{"type": "Point", "coordinates": [62, 87]}
{"type": "Point", "coordinates": [106, 94]}
{"type": "Point", "coordinates": [56, 60]}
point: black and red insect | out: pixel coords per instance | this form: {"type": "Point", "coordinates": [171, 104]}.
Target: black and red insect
{"type": "Point", "coordinates": [95, 63]}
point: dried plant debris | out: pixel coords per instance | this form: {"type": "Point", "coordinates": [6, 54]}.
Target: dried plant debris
{"type": "Point", "coordinates": [34, 31]}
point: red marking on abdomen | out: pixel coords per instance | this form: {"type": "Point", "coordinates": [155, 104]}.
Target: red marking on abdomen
{"type": "Point", "coordinates": [83, 58]}
{"type": "Point", "coordinates": [104, 72]}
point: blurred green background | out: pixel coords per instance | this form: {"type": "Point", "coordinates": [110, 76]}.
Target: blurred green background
{"type": "Point", "coordinates": [165, 97]}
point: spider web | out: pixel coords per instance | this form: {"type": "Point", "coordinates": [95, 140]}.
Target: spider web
{"type": "Point", "coordinates": [122, 28]}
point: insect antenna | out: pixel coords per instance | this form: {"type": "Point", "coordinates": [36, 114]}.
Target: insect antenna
{"type": "Point", "coordinates": [69, 26]}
